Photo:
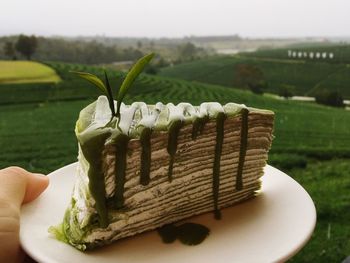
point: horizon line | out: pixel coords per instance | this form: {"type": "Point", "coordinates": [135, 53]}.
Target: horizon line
{"type": "Point", "coordinates": [182, 37]}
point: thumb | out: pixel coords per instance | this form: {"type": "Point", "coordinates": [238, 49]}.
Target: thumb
{"type": "Point", "coordinates": [20, 186]}
{"type": "Point", "coordinates": [36, 184]}
{"type": "Point", "coordinates": [16, 186]}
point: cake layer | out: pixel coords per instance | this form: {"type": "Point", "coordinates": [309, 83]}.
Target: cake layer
{"type": "Point", "coordinates": [161, 164]}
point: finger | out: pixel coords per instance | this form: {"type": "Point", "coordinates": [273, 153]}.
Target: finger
{"type": "Point", "coordinates": [36, 184]}
{"type": "Point", "coordinates": [16, 187]}
{"type": "Point", "coordinates": [12, 190]}
{"type": "Point", "coordinates": [20, 186]}
{"type": "Point", "coordinates": [13, 185]}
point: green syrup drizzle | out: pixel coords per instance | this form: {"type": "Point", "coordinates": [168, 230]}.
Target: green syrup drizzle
{"type": "Point", "coordinates": [174, 130]}
{"type": "Point", "coordinates": [188, 233]}
{"type": "Point", "coordinates": [92, 150]}
{"type": "Point", "coordinates": [243, 148]}
{"type": "Point", "coordinates": [168, 233]}
{"type": "Point", "coordinates": [145, 139]}
{"type": "Point", "coordinates": [121, 144]}
{"type": "Point", "coordinates": [220, 120]}
{"type": "Point", "coordinates": [198, 126]}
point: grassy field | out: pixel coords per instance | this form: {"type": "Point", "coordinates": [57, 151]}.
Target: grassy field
{"type": "Point", "coordinates": [40, 136]}
{"type": "Point", "coordinates": [37, 133]}
{"type": "Point", "coordinates": [26, 72]}
{"type": "Point", "coordinates": [328, 183]}
{"type": "Point", "coordinates": [298, 126]}
{"type": "Point", "coordinates": [304, 77]}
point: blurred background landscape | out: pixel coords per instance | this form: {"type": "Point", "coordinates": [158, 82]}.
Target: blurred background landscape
{"type": "Point", "coordinates": [282, 57]}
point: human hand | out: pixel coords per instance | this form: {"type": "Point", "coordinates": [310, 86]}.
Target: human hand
{"type": "Point", "coordinates": [17, 187]}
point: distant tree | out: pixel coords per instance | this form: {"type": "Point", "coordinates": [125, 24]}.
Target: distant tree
{"type": "Point", "coordinates": [9, 50]}
{"type": "Point", "coordinates": [131, 54]}
{"type": "Point", "coordinates": [258, 88]}
{"type": "Point", "coordinates": [27, 45]}
{"type": "Point", "coordinates": [187, 51]}
{"type": "Point", "coordinates": [249, 76]}
{"type": "Point", "coordinates": [286, 91]}
{"type": "Point", "coordinates": [139, 44]}
{"type": "Point", "coordinates": [160, 62]}
{"type": "Point", "coordinates": [330, 98]}
{"type": "Point", "coordinates": [151, 69]}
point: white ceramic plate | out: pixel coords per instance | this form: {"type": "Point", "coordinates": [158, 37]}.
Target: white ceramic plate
{"type": "Point", "coordinates": [271, 227]}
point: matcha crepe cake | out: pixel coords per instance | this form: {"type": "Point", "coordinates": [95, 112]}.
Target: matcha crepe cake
{"type": "Point", "coordinates": [158, 164]}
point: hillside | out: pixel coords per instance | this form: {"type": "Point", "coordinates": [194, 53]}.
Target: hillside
{"type": "Point", "coordinates": [26, 72]}
{"type": "Point", "coordinates": [37, 133]}
{"type": "Point", "coordinates": [298, 126]}
{"type": "Point", "coordinates": [304, 77]}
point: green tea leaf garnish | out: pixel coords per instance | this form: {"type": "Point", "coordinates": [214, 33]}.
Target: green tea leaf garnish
{"type": "Point", "coordinates": [110, 95]}
{"type": "Point", "coordinates": [128, 81]}
{"type": "Point", "coordinates": [130, 78]}
{"type": "Point", "coordinates": [92, 79]}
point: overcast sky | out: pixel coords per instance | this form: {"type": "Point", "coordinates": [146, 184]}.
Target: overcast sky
{"type": "Point", "coordinates": [176, 18]}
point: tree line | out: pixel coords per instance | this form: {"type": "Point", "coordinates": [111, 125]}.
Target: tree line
{"type": "Point", "coordinates": [57, 49]}
{"type": "Point", "coordinates": [89, 52]}
{"type": "Point", "coordinates": [25, 45]}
